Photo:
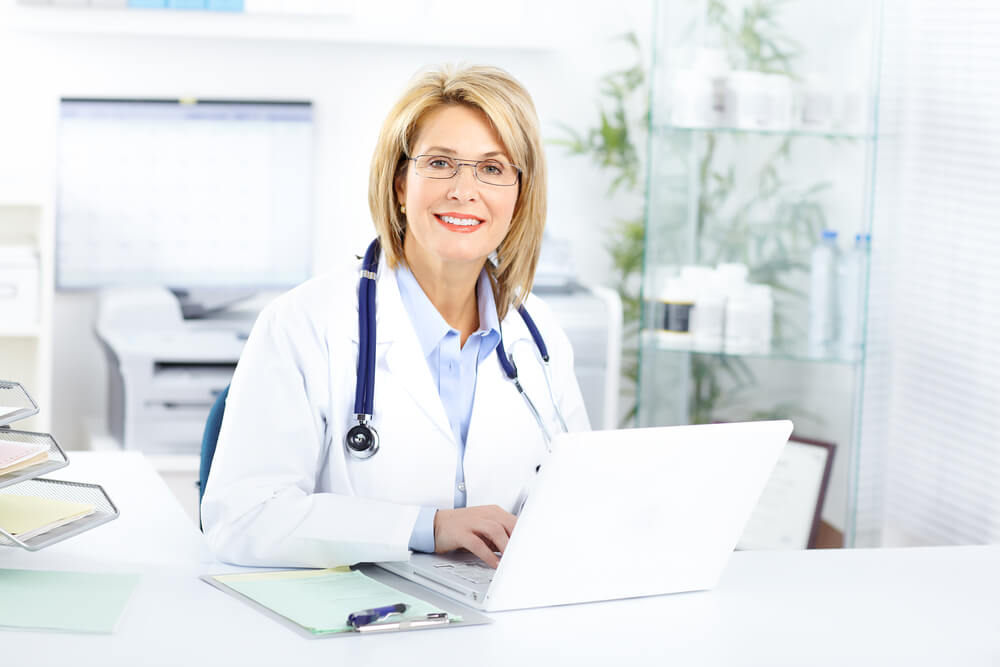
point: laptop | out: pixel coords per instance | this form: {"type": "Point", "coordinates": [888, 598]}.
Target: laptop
{"type": "Point", "coordinates": [619, 514]}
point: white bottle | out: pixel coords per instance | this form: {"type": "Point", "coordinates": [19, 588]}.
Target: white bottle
{"type": "Point", "coordinates": [823, 294]}
{"type": "Point", "coordinates": [732, 276]}
{"type": "Point", "coordinates": [850, 283]}
{"type": "Point", "coordinates": [749, 316]}
{"type": "Point", "coordinates": [699, 93]}
{"type": "Point", "coordinates": [763, 317]}
{"type": "Point", "coordinates": [709, 315]}
{"type": "Point", "coordinates": [815, 106]}
{"type": "Point", "coordinates": [740, 321]}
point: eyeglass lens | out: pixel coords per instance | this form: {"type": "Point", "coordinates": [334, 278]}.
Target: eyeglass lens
{"type": "Point", "coordinates": [492, 172]}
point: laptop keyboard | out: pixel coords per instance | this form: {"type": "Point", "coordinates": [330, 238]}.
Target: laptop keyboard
{"type": "Point", "coordinates": [475, 572]}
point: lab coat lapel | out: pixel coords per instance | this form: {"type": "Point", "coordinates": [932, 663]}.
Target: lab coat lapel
{"type": "Point", "coordinates": [493, 388]}
{"type": "Point", "coordinates": [403, 356]}
{"type": "Point", "coordinates": [495, 465]}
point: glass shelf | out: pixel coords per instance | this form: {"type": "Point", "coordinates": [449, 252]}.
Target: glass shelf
{"type": "Point", "coordinates": [792, 132]}
{"type": "Point", "coordinates": [779, 350]}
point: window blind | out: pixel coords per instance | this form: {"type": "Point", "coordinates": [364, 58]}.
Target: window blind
{"type": "Point", "coordinates": [929, 461]}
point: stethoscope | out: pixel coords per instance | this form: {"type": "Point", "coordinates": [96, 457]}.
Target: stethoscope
{"type": "Point", "coordinates": [362, 439]}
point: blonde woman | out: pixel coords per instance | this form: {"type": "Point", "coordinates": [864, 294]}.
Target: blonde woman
{"type": "Point", "coordinates": [373, 409]}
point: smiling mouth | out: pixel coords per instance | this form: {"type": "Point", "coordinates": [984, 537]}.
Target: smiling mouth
{"type": "Point", "coordinates": [459, 222]}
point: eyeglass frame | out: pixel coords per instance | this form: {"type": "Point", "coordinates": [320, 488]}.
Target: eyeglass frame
{"type": "Point", "coordinates": [460, 163]}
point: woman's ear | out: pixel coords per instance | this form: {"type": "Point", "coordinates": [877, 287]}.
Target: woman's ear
{"type": "Point", "coordinates": [399, 184]}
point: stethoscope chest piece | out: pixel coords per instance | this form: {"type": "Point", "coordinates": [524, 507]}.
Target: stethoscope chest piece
{"type": "Point", "coordinates": [362, 441]}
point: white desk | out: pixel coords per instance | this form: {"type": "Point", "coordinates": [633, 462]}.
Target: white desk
{"type": "Point", "coordinates": [938, 606]}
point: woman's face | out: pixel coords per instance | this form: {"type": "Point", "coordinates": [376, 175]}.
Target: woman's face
{"type": "Point", "coordinates": [434, 206]}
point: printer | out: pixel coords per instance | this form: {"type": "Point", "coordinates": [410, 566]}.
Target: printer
{"type": "Point", "coordinates": [165, 371]}
{"type": "Point", "coordinates": [592, 318]}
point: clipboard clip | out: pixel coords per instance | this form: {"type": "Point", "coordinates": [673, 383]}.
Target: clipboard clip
{"type": "Point", "coordinates": [435, 618]}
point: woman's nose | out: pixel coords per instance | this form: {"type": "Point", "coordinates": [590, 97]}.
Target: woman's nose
{"type": "Point", "coordinates": [464, 183]}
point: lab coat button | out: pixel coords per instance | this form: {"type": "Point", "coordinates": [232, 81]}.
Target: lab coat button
{"type": "Point", "coordinates": [461, 487]}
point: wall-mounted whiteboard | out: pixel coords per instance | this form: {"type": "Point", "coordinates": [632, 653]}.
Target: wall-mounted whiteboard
{"type": "Point", "coordinates": [184, 193]}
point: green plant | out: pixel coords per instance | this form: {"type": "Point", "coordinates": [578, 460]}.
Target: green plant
{"type": "Point", "coordinates": [753, 39]}
{"type": "Point", "coordinates": [770, 228]}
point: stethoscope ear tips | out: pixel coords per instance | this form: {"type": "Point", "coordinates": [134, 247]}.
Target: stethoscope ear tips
{"type": "Point", "coordinates": [362, 441]}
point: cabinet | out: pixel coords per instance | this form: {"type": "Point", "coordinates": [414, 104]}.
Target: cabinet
{"type": "Point", "coordinates": [26, 291]}
{"type": "Point", "coordinates": [762, 133]}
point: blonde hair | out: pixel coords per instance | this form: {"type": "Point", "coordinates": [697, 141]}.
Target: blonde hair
{"type": "Point", "coordinates": [511, 112]}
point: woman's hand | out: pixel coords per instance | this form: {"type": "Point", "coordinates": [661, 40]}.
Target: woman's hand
{"type": "Point", "coordinates": [482, 530]}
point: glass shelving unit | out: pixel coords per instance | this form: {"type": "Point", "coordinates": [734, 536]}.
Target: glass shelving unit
{"type": "Point", "coordinates": [721, 191]}
{"type": "Point", "coordinates": [799, 132]}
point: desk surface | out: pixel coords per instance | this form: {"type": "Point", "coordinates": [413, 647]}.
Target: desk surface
{"type": "Point", "coordinates": [929, 606]}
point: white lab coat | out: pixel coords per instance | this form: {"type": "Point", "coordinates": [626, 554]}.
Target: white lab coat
{"type": "Point", "coordinates": [284, 492]}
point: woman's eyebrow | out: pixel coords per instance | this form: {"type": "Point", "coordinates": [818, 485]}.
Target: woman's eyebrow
{"type": "Point", "coordinates": [441, 150]}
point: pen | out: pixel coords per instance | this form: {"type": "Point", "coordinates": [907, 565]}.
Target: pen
{"type": "Point", "coordinates": [366, 616]}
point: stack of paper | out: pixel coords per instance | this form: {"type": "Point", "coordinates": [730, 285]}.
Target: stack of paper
{"type": "Point", "coordinates": [9, 413]}
{"type": "Point", "coordinates": [67, 601]}
{"type": "Point", "coordinates": [14, 456]}
{"type": "Point", "coordinates": [25, 517]}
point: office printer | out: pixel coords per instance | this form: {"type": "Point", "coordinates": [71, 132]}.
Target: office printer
{"type": "Point", "coordinates": [164, 370]}
{"type": "Point", "coordinates": [592, 318]}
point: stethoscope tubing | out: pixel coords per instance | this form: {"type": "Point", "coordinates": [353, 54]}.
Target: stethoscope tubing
{"type": "Point", "coordinates": [364, 391]}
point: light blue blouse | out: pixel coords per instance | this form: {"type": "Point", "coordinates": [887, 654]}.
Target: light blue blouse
{"type": "Point", "coordinates": [453, 368]}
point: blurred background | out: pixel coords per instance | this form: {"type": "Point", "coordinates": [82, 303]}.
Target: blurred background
{"type": "Point", "coordinates": [757, 209]}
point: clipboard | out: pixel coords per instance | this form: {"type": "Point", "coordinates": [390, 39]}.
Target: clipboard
{"type": "Point", "coordinates": [458, 614]}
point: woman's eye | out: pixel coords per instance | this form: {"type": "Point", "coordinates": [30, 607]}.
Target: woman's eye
{"type": "Point", "coordinates": [492, 168]}
{"type": "Point", "coordinates": [440, 163]}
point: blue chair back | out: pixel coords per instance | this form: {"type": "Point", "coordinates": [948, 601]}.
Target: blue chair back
{"type": "Point", "coordinates": [209, 441]}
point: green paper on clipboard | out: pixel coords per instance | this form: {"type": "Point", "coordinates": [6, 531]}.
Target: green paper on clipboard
{"type": "Point", "coordinates": [318, 602]}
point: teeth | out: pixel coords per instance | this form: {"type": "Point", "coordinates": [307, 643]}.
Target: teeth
{"type": "Point", "coordinates": [464, 222]}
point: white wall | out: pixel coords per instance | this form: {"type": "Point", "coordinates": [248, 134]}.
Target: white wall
{"type": "Point", "coordinates": [352, 86]}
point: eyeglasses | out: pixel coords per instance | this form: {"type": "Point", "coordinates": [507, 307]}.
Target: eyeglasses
{"type": "Point", "coordinates": [491, 172]}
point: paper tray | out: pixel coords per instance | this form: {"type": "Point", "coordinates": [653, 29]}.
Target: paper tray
{"type": "Point", "coordinates": [57, 458]}
{"type": "Point", "coordinates": [15, 403]}
{"type": "Point", "coordinates": [54, 489]}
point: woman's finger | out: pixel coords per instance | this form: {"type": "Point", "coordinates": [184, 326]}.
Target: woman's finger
{"type": "Point", "coordinates": [495, 533]}
{"type": "Point", "coordinates": [476, 545]}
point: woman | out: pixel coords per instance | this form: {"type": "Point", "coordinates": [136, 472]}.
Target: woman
{"type": "Point", "coordinates": [457, 193]}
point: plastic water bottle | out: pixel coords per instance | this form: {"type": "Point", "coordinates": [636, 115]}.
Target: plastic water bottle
{"type": "Point", "coordinates": [823, 308]}
{"type": "Point", "coordinates": [850, 284]}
